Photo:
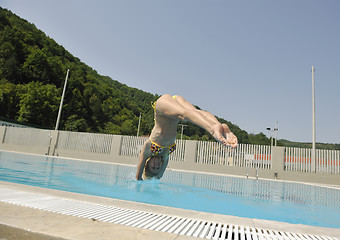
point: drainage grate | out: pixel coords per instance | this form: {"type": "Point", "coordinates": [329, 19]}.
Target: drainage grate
{"type": "Point", "coordinates": [146, 220]}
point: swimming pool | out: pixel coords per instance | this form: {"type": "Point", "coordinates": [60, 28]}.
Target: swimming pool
{"type": "Point", "coordinates": [271, 200]}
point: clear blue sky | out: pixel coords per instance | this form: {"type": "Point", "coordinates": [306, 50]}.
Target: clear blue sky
{"type": "Point", "coordinates": [246, 61]}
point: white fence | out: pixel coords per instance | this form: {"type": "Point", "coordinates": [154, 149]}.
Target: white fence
{"type": "Point", "coordinates": [245, 155]}
{"type": "Point", "coordinates": [87, 142]}
{"type": "Point", "coordinates": [300, 160]}
{"type": "Point", "coordinates": [26, 136]}
{"type": "Point", "coordinates": [131, 145]}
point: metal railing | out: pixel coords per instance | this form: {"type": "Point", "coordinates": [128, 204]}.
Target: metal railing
{"type": "Point", "coordinates": [300, 160]}
{"type": "Point", "coordinates": [132, 145]}
{"type": "Point", "coordinates": [87, 142]}
{"type": "Point", "coordinates": [26, 136]}
{"type": "Point", "coordinates": [245, 155]}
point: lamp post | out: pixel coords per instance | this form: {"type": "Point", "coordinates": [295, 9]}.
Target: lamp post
{"type": "Point", "coordinates": [61, 101]}
{"type": "Point", "coordinates": [272, 133]}
{"type": "Point", "coordinates": [183, 126]}
{"type": "Point", "coordinates": [313, 93]}
{"type": "Point", "coordinates": [275, 130]}
{"type": "Point", "coordinates": [271, 136]}
{"type": "Point", "coordinates": [140, 117]}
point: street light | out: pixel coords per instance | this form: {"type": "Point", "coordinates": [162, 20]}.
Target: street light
{"type": "Point", "coordinates": [183, 126]}
{"type": "Point", "coordinates": [271, 136]}
{"type": "Point", "coordinates": [272, 133]}
{"type": "Point", "coordinates": [140, 117]}
{"type": "Point", "coordinates": [313, 103]}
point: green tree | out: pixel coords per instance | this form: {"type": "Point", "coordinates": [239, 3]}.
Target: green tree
{"type": "Point", "coordinates": [35, 68]}
{"type": "Point", "coordinates": [56, 70]}
{"type": "Point", "coordinates": [260, 138]}
{"type": "Point", "coordinates": [76, 124]}
{"type": "Point", "coordinates": [9, 100]}
{"type": "Point", "coordinates": [39, 104]}
{"type": "Point", "coordinates": [3, 19]}
{"type": "Point", "coordinates": [127, 127]}
{"type": "Point", "coordinates": [8, 62]}
{"type": "Point", "coordinates": [112, 128]}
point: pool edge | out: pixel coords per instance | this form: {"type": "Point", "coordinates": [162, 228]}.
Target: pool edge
{"type": "Point", "coordinates": [256, 223]}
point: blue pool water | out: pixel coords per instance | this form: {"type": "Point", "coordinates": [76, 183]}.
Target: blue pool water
{"type": "Point", "coordinates": [270, 200]}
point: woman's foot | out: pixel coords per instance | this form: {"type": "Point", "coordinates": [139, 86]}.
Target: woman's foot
{"type": "Point", "coordinates": [229, 136]}
{"type": "Point", "coordinates": [217, 133]}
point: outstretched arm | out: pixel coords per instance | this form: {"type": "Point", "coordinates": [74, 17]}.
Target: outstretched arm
{"type": "Point", "coordinates": [143, 156]}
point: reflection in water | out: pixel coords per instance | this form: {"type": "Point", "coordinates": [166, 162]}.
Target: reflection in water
{"type": "Point", "coordinates": [202, 192]}
{"type": "Point", "coordinates": [259, 189]}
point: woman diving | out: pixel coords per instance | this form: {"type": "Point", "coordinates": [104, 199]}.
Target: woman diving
{"type": "Point", "coordinates": [169, 110]}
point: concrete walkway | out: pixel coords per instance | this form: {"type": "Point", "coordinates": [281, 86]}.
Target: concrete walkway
{"type": "Point", "coordinates": [26, 223]}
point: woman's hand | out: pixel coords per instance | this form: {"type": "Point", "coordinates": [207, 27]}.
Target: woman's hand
{"type": "Point", "coordinates": [143, 156]}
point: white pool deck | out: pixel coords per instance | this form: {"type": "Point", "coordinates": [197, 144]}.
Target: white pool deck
{"type": "Point", "coordinates": [51, 225]}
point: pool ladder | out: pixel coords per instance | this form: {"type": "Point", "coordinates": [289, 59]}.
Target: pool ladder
{"type": "Point", "coordinates": [250, 160]}
{"type": "Point", "coordinates": [257, 172]}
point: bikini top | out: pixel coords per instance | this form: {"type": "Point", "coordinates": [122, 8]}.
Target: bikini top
{"type": "Point", "coordinates": [156, 148]}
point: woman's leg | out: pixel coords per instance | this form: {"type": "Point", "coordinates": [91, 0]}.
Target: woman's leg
{"type": "Point", "coordinates": [181, 100]}
{"type": "Point", "coordinates": [181, 109]}
{"type": "Point", "coordinates": [211, 118]}
{"type": "Point", "coordinates": [227, 134]}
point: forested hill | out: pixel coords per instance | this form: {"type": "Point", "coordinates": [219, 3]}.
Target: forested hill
{"type": "Point", "coordinates": [32, 74]}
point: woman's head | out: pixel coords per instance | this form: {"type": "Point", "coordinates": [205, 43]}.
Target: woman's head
{"type": "Point", "coordinates": [152, 167]}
